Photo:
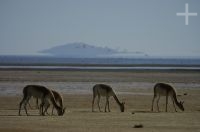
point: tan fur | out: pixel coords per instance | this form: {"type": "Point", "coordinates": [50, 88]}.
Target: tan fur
{"type": "Point", "coordinates": [162, 89]}
{"type": "Point", "coordinates": [58, 98]}
{"type": "Point", "coordinates": [105, 91]}
{"type": "Point", "coordinates": [42, 93]}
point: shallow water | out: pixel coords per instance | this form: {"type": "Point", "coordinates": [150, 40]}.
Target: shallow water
{"type": "Point", "coordinates": [105, 67]}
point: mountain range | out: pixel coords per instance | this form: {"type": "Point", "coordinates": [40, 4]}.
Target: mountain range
{"type": "Point", "coordinates": [83, 50]}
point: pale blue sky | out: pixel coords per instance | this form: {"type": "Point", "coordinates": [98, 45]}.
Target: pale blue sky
{"type": "Point", "coordinates": [150, 26]}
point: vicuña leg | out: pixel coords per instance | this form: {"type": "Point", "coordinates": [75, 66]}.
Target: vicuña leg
{"type": "Point", "coordinates": [108, 105]}
{"type": "Point", "coordinates": [52, 110]}
{"type": "Point", "coordinates": [107, 102]}
{"type": "Point", "coordinates": [166, 102]}
{"type": "Point", "coordinates": [158, 103]}
{"type": "Point", "coordinates": [153, 102]}
{"type": "Point", "coordinates": [173, 104]}
{"type": "Point", "coordinates": [20, 105]}
{"type": "Point", "coordinates": [99, 102]}
{"type": "Point", "coordinates": [25, 103]}
{"type": "Point", "coordinates": [94, 96]}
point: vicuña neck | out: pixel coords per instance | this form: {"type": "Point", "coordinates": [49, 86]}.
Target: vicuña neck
{"type": "Point", "coordinates": [175, 99]}
{"type": "Point", "coordinates": [54, 102]}
{"type": "Point", "coordinates": [117, 100]}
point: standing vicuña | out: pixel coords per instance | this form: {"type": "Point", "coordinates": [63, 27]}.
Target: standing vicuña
{"type": "Point", "coordinates": [162, 89]}
{"type": "Point", "coordinates": [105, 90]}
{"type": "Point", "coordinates": [42, 93]}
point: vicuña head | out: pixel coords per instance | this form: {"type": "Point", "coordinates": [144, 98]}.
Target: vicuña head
{"type": "Point", "coordinates": [61, 111]}
{"type": "Point", "coordinates": [180, 105]}
{"type": "Point", "coordinates": [122, 106]}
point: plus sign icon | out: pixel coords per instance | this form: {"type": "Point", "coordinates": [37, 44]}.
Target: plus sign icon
{"type": "Point", "coordinates": [186, 14]}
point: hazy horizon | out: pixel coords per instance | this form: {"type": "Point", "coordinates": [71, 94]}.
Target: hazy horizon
{"type": "Point", "coordinates": [151, 26]}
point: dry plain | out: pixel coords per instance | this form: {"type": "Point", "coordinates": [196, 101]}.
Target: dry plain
{"type": "Point", "coordinates": [133, 87]}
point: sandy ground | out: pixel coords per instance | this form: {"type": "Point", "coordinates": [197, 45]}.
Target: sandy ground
{"type": "Point", "coordinates": [133, 87]}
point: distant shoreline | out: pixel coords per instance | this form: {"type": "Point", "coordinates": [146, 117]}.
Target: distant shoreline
{"type": "Point", "coordinates": [98, 64]}
{"type": "Point", "coordinates": [122, 62]}
{"type": "Point", "coordinates": [101, 68]}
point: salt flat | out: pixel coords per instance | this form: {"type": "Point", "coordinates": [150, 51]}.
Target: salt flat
{"type": "Point", "coordinates": [135, 88]}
